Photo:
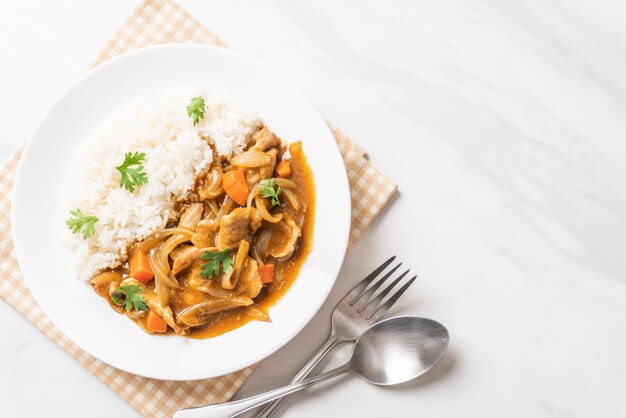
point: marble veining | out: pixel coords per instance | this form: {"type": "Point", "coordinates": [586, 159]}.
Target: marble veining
{"type": "Point", "coordinates": [503, 124]}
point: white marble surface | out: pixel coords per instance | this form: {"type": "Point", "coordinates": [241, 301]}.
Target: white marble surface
{"type": "Point", "coordinates": [503, 124]}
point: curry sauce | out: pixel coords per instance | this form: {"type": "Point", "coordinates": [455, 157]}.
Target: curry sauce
{"type": "Point", "coordinates": [286, 273]}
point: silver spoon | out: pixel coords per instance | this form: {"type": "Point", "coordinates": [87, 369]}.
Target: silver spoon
{"type": "Point", "coordinates": [390, 352]}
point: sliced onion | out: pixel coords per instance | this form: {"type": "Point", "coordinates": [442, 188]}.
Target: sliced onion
{"type": "Point", "coordinates": [292, 198]}
{"type": "Point", "coordinates": [201, 240]}
{"type": "Point", "coordinates": [240, 257]}
{"type": "Point", "coordinates": [260, 206]}
{"type": "Point", "coordinates": [154, 239]}
{"type": "Point", "coordinates": [262, 243]}
{"type": "Point", "coordinates": [213, 187]}
{"type": "Point", "coordinates": [212, 206]}
{"type": "Point", "coordinates": [226, 283]}
{"type": "Point", "coordinates": [171, 231]}
{"type": "Point", "coordinates": [300, 219]}
{"type": "Point", "coordinates": [227, 205]}
{"type": "Point", "coordinates": [284, 227]}
{"type": "Point", "coordinates": [257, 257]}
{"type": "Point", "coordinates": [284, 183]}
{"type": "Point", "coordinates": [255, 191]}
{"type": "Point", "coordinates": [216, 290]}
{"type": "Point", "coordinates": [147, 244]}
{"type": "Point", "coordinates": [166, 248]}
{"type": "Point", "coordinates": [197, 315]}
{"type": "Point", "coordinates": [162, 291]}
{"type": "Point", "coordinates": [258, 313]}
{"type": "Point", "coordinates": [251, 159]}
{"type": "Point", "coordinates": [160, 273]}
{"type": "Point", "coordinates": [286, 258]}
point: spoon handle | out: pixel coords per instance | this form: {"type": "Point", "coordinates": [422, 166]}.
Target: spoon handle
{"type": "Point", "coordinates": [321, 353]}
{"type": "Point", "coordinates": [332, 341]}
{"type": "Point", "coordinates": [231, 409]}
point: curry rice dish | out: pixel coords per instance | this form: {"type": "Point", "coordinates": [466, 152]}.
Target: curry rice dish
{"type": "Point", "coordinates": [194, 218]}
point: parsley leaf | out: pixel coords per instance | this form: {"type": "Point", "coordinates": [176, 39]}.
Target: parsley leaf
{"type": "Point", "coordinates": [132, 171]}
{"type": "Point", "coordinates": [130, 297]}
{"type": "Point", "coordinates": [212, 268]}
{"type": "Point", "coordinates": [269, 188]}
{"type": "Point", "coordinates": [195, 109]}
{"type": "Point", "coordinates": [81, 223]}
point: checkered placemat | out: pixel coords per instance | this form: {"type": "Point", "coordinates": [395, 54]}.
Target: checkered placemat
{"type": "Point", "coordinates": [156, 22]}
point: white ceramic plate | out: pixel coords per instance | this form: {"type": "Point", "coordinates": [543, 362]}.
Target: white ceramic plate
{"type": "Point", "coordinates": [37, 219]}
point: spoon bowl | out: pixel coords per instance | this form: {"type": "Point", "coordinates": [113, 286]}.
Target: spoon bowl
{"type": "Point", "coordinates": [398, 349]}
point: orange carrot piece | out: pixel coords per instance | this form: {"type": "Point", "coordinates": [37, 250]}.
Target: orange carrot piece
{"type": "Point", "coordinates": [267, 273]}
{"type": "Point", "coordinates": [140, 269]}
{"type": "Point", "coordinates": [155, 323]}
{"type": "Point", "coordinates": [235, 186]}
{"type": "Point", "coordinates": [283, 169]}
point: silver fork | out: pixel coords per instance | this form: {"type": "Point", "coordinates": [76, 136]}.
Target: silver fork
{"type": "Point", "coordinates": [356, 312]}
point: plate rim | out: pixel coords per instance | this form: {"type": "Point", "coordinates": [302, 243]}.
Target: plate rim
{"type": "Point", "coordinates": [341, 239]}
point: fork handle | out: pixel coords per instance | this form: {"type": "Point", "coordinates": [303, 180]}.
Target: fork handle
{"type": "Point", "coordinates": [332, 341]}
{"type": "Point", "coordinates": [231, 409]}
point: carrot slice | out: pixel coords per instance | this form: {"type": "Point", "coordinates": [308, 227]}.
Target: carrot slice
{"type": "Point", "coordinates": [235, 186]}
{"type": "Point", "coordinates": [140, 269]}
{"type": "Point", "coordinates": [266, 271]}
{"type": "Point", "coordinates": [283, 169]}
{"type": "Point", "coordinates": [155, 323]}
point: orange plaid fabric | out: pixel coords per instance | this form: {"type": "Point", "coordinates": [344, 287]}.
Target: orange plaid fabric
{"type": "Point", "coordinates": [156, 22]}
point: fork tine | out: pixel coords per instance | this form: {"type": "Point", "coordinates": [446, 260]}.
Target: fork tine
{"type": "Point", "coordinates": [373, 304]}
{"type": "Point", "coordinates": [365, 296]}
{"type": "Point", "coordinates": [355, 293]}
{"type": "Point", "coordinates": [393, 299]}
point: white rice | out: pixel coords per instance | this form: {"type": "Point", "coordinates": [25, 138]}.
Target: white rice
{"type": "Point", "coordinates": [175, 154]}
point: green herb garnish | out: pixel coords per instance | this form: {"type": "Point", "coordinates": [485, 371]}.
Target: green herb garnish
{"type": "Point", "coordinates": [269, 188]}
{"type": "Point", "coordinates": [81, 223]}
{"type": "Point", "coordinates": [130, 297]}
{"type": "Point", "coordinates": [195, 109]}
{"type": "Point", "coordinates": [132, 171]}
{"type": "Point", "coordinates": [212, 268]}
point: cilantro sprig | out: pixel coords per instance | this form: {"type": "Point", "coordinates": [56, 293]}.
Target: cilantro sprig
{"type": "Point", "coordinates": [132, 171]}
{"type": "Point", "coordinates": [195, 109]}
{"type": "Point", "coordinates": [81, 223]}
{"type": "Point", "coordinates": [130, 297]}
{"type": "Point", "coordinates": [215, 260]}
{"type": "Point", "coordinates": [269, 188]}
